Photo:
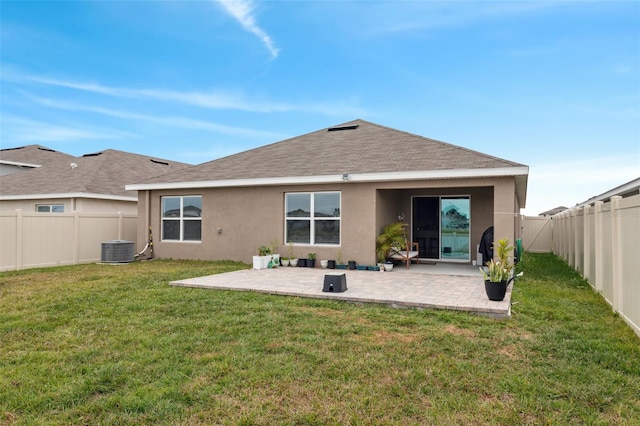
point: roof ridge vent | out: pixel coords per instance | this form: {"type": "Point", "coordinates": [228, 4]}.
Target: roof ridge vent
{"type": "Point", "coordinates": [46, 149]}
{"type": "Point", "coordinates": [337, 129]}
{"type": "Point", "coordinates": [159, 162]}
{"type": "Point", "coordinates": [95, 154]}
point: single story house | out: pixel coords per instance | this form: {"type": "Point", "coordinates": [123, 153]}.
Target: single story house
{"type": "Point", "coordinates": [330, 192]}
{"type": "Point", "coordinates": [39, 179]}
{"type": "Point", "coordinates": [551, 212]}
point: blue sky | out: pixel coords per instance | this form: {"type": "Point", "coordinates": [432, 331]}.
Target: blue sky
{"type": "Point", "coordinates": [553, 85]}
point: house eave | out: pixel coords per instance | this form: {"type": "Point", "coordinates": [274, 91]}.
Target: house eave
{"type": "Point", "coordinates": [346, 177]}
{"type": "Point", "coordinates": [67, 195]}
{"type": "Point", "coordinates": [20, 164]}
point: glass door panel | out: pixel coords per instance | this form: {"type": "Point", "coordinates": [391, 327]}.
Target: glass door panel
{"type": "Point", "coordinates": [426, 226]}
{"type": "Point", "coordinates": [454, 228]}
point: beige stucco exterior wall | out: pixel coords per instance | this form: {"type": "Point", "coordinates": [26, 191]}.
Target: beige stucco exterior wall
{"type": "Point", "coordinates": [506, 217]}
{"type": "Point", "coordinates": [236, 221]}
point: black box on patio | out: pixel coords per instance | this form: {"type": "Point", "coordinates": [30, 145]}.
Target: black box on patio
{"type": "Point", "coordinates": [335, 283]}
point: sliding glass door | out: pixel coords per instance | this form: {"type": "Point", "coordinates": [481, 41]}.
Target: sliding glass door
{"type": "Point", "coordinates": [454, 228]}
{"type": "Point", "coordinates": [441, 227]}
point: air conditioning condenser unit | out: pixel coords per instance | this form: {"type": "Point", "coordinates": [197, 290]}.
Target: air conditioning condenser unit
{"type": "Point", "coordinates": [117, 251]}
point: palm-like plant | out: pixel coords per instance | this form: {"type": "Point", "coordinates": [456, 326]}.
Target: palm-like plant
{"type": "Point", "coordinates": [392, 236]}
{"type": "Point", "coordinates": [500, 268]}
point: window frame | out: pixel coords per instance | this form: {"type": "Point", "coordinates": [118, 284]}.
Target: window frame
{"type": "Point", "coordinates": [181, 219]}
{"type": "Point", "coordinates": [312, 218]}
{"type": "Point", "coordinates": [50, 207]}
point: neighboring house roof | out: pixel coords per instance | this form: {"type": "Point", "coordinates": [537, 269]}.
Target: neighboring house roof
{"type": "Point", "coordinates": [553, 211]}
{"type": "Point", "coordinates": [355, 151]}
{"type": "Point", "coordinates": [100, 175]}
{"type": "Point", "coordinates": [35, 155]}
{"type": "Point", "coordinates": [625, 190]}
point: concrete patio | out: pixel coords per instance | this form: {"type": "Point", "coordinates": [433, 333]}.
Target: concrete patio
{"type": "Point", "coordinates": [437, 286]}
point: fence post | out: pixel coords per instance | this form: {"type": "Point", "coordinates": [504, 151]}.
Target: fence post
{"type": "Point", "coordinates": [586, 257]}
{"type": "Point", "coordinates": [565, 235]}
{"type": "Point", "coordinates": [576, 238]}
{"type": "Point", "coordinates": [120, 225]}
{"type": "Point", "coordinates": [558, 227]}
{"type": "Point", "coordinates": [616, 253]}
{"type": "Point", "coordinates": [572, 238]}
{"type": "Point", "coordinates": [76, 237]}
{"type": "Point", "coordinates": [19, 239]}
{"type": "Point", "coordinates": [598, 245]}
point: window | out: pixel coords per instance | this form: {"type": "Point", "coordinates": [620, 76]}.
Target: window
{"type": "Point", "coordinates": [313, 217]}
{"type": "Point", "coordinates": [182, 218]}
{"type": "Point", "coordinates": [50, 208]}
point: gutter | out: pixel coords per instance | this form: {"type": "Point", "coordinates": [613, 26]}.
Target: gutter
{"type": "Point", "coordinates": [521, 171]}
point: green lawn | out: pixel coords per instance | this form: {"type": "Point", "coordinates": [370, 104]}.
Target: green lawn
{"type": "Point", "coordinates": [107, 344]}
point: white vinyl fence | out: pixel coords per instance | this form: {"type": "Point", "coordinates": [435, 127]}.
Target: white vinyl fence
{"type": "Point", "coordinates": [602, 242]}
{"type": "Point", "coordinates": [537, 236]}
{"type": "Point", "coordinates": [30, 239]}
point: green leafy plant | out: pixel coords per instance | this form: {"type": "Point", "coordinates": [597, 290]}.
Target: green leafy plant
{"type": "Point", "coordinates": [312, 256]}
{"type": "Point", "coordinates": [264, 251]}
{"type": "Point", "coordinates": [500, 268]}
{"type": "Point", "coordinates": [274, 246]}
{"type": "Point", "coordinates": [392, 236]}
{"type": "Point", "coordinates": [290, 244]}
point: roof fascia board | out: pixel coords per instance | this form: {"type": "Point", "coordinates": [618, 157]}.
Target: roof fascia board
{"type": "Point", "coordinates": [67, 195]}
{"type": "Point", "coordinates": [19, 164]}
{"type": "Point", "coordinates": [347, 177]}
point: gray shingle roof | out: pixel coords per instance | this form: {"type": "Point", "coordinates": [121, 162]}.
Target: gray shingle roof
{"type": "Point", "coordinates": [33, 154]}
{"type": "Point", "coordinates": [104, 173]}
{"type": "Point", "coordinates": [365, 148]}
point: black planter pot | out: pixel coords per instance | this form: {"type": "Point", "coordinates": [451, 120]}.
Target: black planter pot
{"type": "Point", "coordinates": [352, 265]}
{"type": "Point", "coordinates": [311, 263]}
{"type": "Point", "coordinates": [331, 264]}
{"type": "Point", "coordinates": [302, 263]}
{"type": "Point", "coordinates": [495, 291]}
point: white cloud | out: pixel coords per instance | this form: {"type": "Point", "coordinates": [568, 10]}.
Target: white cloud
{"type": "Point", "coordinates": [210, 100]}
{"type": "Point", "coordinates": [242, 11]}
{"type": "Point", "coordinates": [21, 130]}
{"type": "Point", "coordinates": [386, 17]}
{"type": "Point", "coordinates": [182, 122]}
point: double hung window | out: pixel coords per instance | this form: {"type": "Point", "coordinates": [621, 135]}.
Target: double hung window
{"type": "Point", "coordinates": [312, 218]}
{"type": "Point", "coordinates": [182, 218]}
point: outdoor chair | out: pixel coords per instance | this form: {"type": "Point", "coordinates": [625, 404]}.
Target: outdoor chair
{"type": "Point", "coordinates": [411, 252]}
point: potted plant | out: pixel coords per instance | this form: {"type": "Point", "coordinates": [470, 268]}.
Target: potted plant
{"type": "Point", "coordinates": [498, 272]}
{"type": "Point", "coordinates": [261, 261]}
{"type": "Point", "coordinates": [273, 247]}
{"type": "Point", "coordinates": [311, 260]}
{"type": "Point", "coordinates": [352, 265]}
{"type": "Point", "coordinates": [325, 264]}
{"type": "Point", "coordinates": [293, 261]}
{"type": "Point", "coordinates": [392, 236]}
{"type": "Point", "coordinates": [331, 264]}
{"type": "Point", "coordinates": [284, 261]}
